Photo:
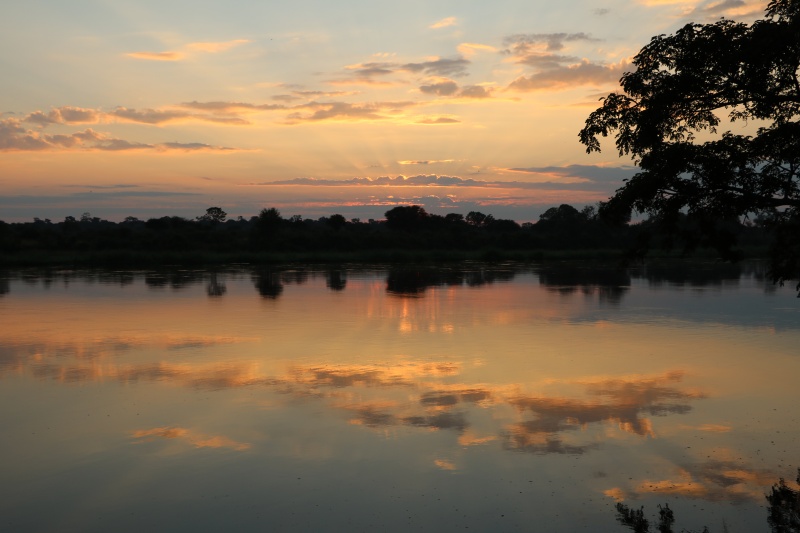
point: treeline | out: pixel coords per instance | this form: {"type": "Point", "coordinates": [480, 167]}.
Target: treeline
{"type": "Point", "coordinates": [561, 228]}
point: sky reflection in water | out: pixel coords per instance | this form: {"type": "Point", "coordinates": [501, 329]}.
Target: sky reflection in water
{"type": "Point", "coordinates": [424, 399]}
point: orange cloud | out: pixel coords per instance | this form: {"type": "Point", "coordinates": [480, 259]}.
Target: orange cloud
{"type": "Point", "coordinates": [470, 49]}
{"type": "Point", "coordinates": [75, 115]}
{"type": "Point", "coordinates": [15, 137]}
{"type": "Point", "coordinates": [425, 162]}
{"type": "Point", "coordinates": [711, 428]}
{"type": "Point", "coordinates": [214, 47]}
{"type": "Point", "coordinates": [156, 56]}
{"type": "Point", "coordinates": [444, 464]}
{"type": "Point", "coordinates": [719, 481]}
{"type": "Point", "coordinates": [438, 120]}
{"type": "Point", "coordinates": [470, 439]}
{"type": "Point", "coordinates": [571, 76]}
{"type": "Point", "coordinates": [205, 47]}
{"type": "Point", "coordinates": [444, 23]}
{"type": "Point", "coordinates": [197, 440]}
{"type": "Point", "coordinates": [343, 111]}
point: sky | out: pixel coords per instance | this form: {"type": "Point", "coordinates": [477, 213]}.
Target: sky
{"type": "Point", "coordinates": [151, 108]}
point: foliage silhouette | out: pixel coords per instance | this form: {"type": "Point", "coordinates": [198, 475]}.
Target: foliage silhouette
{"type": "Point", "coordinates": [695, 182]}
{"type": "Point", "coordinates": [409, 233]}
{"type": "Point", "coordinates": [784, 507]}
{"type": "Point", "coordinates": [213, 215]}
{"type": "Point", "coordinates": [783, 515]}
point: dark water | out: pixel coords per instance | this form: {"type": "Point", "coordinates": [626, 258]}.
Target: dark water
{"type": "Point", "coordinates": [488, 399]}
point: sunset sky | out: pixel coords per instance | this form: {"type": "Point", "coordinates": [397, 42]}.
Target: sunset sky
{"type": "Point", "coordinates": [152, 108]}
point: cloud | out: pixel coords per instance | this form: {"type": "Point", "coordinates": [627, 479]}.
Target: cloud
{"type": "Point", "coordinates": [156, 56]}
{"type": "Point", "coordinates": [158, 116]}
{"type": "Point", "coordinates": [475, 91]}
{"type": "Point", "coordinates": [444, 23]}
{"type": "Point", "coordinates": [440, 67]}
{"type": "Point", "coordinates": [544, 180]}
{"type": "Point", "coordinates": [323, 94]}
{"type": "Point", "coordinates": [77, 115]}
{"type": "Point", "coordinates": [468, 50]}
{"type": "Point", "coordinates": [553, 69]}
{"type": "Point", "coordinates": [230, 107]}
{"type": "Point", "coordinates": [727, 8]}
{"type": "Point", "coordinates": [198, 440]}
{"type": "Point", "coordinates": [344, 111]}
{"type": "Point", "coordinates": [712, 480]}
{"type": "Point", "coordinates": [567, 77]}
{"type": "Point", "coordinates": [438, 120]}
{"type": "Point", "coordinates": [203, 47]}
{"type": "Point", "coordinates": [443, 88]}
{"type": "Point", "coordinates": [420, 180]}
{"type": "Point", "coordinates": [448, 88]}
{"type": "Point", "coordinates": [65, 115]}
{"type": "Point", "coordinates": [286, 97]}
{"type": "Point", "coordinates": [367, 73]}
{"type": "Point", "coordinates": [522, 44]}
{"type": "Point", "coordinates": [710, 10]}
{"type": "Point", "coordinates": [445, 464]}
{"type": "Point", "coordinates": [614, 175]}
{"type": "Point", "coordinates": [15, 137]}
{"type": "Point", "coordinates": [425, 162]}
{"type": "Point", "coordinates": [623, 402]}
{"type": "Point", "coordinates": [214, 47]}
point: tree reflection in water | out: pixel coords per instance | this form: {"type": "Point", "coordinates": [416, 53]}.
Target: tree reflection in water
{"type": "Point", "coordinates": [415, 281]}
{"type": "Point", "coordinates": [783, 515]}
{"type": "Point", "coordinates": [268, 284]}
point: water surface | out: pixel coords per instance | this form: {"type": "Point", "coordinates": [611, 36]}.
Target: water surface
{"type": "Point", "coordinates": [481, 398]}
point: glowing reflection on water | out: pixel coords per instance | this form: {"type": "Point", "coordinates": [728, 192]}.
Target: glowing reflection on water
{"type": "Point", "coordinates": [425, 399]}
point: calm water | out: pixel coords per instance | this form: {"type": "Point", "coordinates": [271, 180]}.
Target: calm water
{"type": "Point", "coordinates": [394, 400]}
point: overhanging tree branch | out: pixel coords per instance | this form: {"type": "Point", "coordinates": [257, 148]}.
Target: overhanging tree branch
{"type": "Point", "coordinates": [681, 84]}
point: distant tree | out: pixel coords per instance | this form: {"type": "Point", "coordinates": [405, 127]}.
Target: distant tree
{"type": "Point", "coordinates": [406, 217]}
{"type": "Point", "coordinates": [589, 212]}
{"type": "Point", "coordinates": [337, 221]}
{"type": "Point", "coordinates": [266, 226]}
{"type": "Point", "coordinates": [476, 218]}
{"type": "Point", "coordinates": [269, 218]}
{"type": "Point", "coordinates": [503, 225]}
{"type": "Point", "coordinates": [561, 214]}
{"type": "Point", "coordinates": [454, 218]}
{"type": "Point", "coordinates": [214, 215]}
{"type": "Point", "coordinates": [685, 85]}
{"type": "Point", "coordinates": [131, 220]}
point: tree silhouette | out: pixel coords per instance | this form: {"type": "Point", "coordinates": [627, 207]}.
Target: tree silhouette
{"type": "Point", "coordinates": [337, 221]}
{"type": "Point", "coordinates": [476, 218]}
{"type": "Point", "coordinates": [784, 507]}
{"type": "Point", "coordinates": [783, 515]}
{"type": "Point", "coordinates": [406, 217]}
{"type": "Point", "coordinates": [215, 215]}
{"type": "Point", "coordinates": [682, 86]}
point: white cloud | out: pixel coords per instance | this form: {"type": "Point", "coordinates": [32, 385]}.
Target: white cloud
{"type": "Point", "coordinates": [444, 23]}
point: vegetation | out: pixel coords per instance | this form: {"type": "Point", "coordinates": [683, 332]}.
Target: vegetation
{"type": "Point", "coordinates": [408, 233]}
{"type": "Point", "coordinates": [695, 182]}
{"type": "Point", "coordinates": [783, 515]}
